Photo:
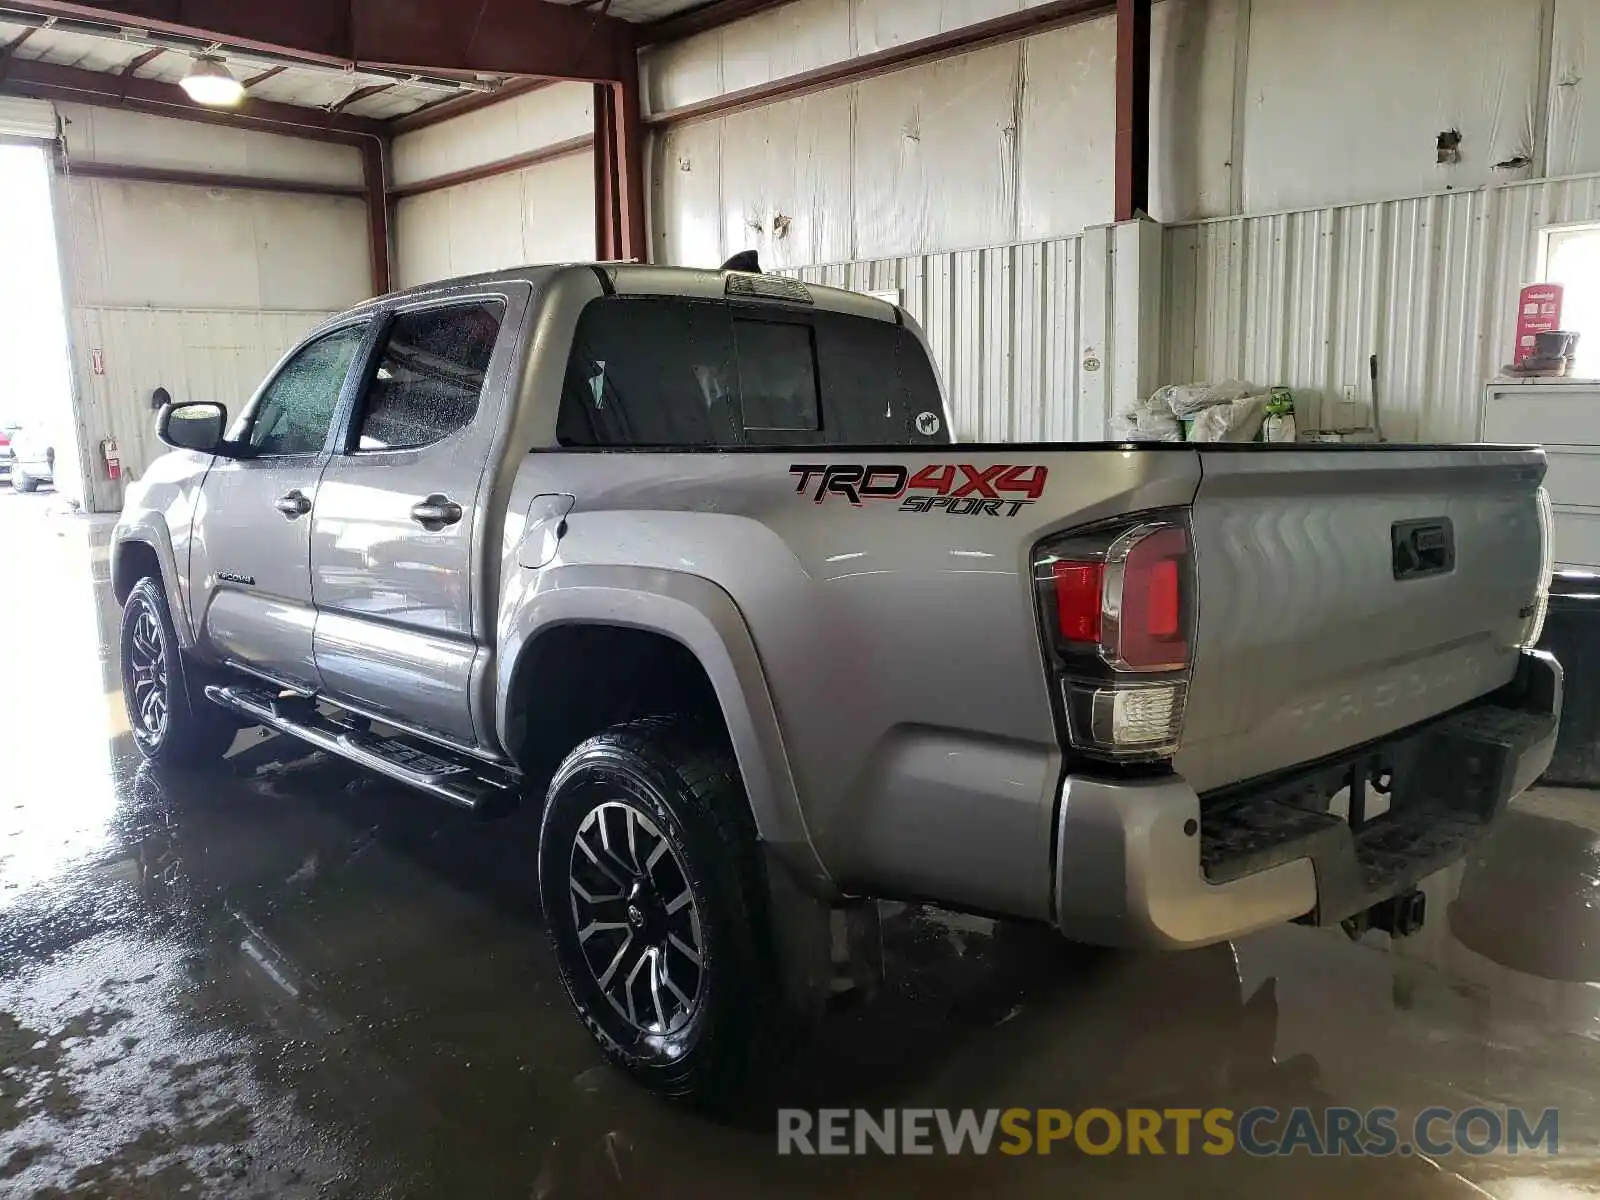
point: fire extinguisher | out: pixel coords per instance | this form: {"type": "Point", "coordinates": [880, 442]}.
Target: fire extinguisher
{"type": "Point", "coordinates": [112, 457]}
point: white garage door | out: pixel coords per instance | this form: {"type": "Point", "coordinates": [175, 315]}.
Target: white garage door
{"type": "Point", "coordinates": [1564, 417]}
{"type": "Point", "coordinates": [21, 118]}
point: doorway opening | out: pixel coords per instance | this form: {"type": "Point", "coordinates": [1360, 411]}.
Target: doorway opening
{"type": "Point", "coordinates": [36, 411]}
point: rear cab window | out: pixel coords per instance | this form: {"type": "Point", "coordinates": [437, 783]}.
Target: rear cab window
{"type": "Point", "coordinates": [677, 372]}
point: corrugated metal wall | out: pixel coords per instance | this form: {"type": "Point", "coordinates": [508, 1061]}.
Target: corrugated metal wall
{"type": "Point", "coordinates": [196, 354]}
{"type": "Point", "coordinates": [1428, 284]}
{"type": "Point", "coordinates": [1002, 325]}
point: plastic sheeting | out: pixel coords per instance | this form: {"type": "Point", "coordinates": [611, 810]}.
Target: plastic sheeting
{"type": "Point", "coordinates": [111, 135]}
{"type": "Point", "coordinates": [1574, 136]}
{"type": "Point", "coordinates": [521, 124]}
{"type": "Point", "coordinates": [1002, 326]}
{"type": "Point", "coordinates": [189, 247]}
{"type": "Point", "coordinates": [1345, 102]}
{"type": "Point", "coordinates": [544, 213]}
{"type": "Point", "coordinates": [1428, 284]}
{"type": "Point", "coordinates": [1003, 145]}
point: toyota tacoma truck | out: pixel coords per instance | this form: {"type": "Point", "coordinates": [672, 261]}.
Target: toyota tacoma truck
{"type": "Point", "coordinates": [691, 561]}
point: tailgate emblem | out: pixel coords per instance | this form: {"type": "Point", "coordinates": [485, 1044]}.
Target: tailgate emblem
{"type": "Point", "coordinates": [1423, 548]}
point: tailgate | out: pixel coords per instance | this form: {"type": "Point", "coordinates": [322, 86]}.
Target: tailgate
{"type": "Point", "coordinates": [1347, 593]}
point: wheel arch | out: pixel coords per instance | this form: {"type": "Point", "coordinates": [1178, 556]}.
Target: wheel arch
{"type": "Point", "coordinates": [141, 548]}
{"type": "Point", "coordinates": [690, 624]}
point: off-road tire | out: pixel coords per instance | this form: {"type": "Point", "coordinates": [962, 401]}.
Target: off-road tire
{"type": "Point", "coordinates": [191, 730]}
{"type": "Point", "coordinates": [680, 776]}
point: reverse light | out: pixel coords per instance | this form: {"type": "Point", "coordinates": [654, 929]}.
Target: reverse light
{"type": "Point", "coordinates": [1119, 608]}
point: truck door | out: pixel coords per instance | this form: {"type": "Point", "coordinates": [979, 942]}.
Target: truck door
{"type": "Point", "coordinates": [250, 565]}
{"type": "Point", "coordinates": [398, 534]}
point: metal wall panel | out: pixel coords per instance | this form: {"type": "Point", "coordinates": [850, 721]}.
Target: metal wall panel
{"type": "Point", "coordinates": [1002, 325]}
{"type": "Point", "coordinates": [196, 354]}
{"type": "Point", "coordinates": [1428, 284]}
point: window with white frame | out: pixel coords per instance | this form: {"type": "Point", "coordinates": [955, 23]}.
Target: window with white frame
{"type": "Point", "coordinates": [1570, 255]}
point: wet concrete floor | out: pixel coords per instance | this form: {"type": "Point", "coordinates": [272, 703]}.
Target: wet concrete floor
{"type": "Point", "coordinates": [286, 979]}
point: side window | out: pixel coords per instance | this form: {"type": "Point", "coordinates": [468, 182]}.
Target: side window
{"type": "Point", "coordinates": [653, 371]}
{"type": "Point", "coordinates": [878, 387]}
{"type": "Point", "coordinates": [429, 376]}
{"type": "Point", "coordinates": [293, 415]}
{"type": "Point", "coordinates": [777, 376]}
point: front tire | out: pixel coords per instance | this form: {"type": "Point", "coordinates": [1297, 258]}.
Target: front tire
{"type": "Point", "coordinates": [23, 482]}
{"type": "Point", "coordinates": [655, 900]}
{"type": "Point", "coordinates": [170, 725]}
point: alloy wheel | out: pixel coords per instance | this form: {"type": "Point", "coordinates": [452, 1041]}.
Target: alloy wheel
{"type": "Point", "coordinates": [147, 662]}
{"type": "Point", "coordinates": [637, 920]}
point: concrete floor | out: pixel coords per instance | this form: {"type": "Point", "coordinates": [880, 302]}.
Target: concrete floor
{"type": "Point", "coordinates": [290, 980]}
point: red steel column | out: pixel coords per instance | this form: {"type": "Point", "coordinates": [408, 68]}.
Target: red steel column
{"type": "Point", "coordinates": [627, 121]}
{"type": "Point", "coordinates": [1133, 108]}
{"type": "Point", "coordinates": [375, 182]}
{"type": "Point", "coordinates": [607, 229]}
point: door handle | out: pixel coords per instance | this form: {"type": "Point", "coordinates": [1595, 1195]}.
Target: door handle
{"type": "Point", "coordinates": [295, 504]}
{"type": "Point", "coordinates": [436, 512]}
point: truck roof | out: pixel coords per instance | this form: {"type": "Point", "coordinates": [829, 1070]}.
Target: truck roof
{"type": "Point", "coordinates": [649, 279]}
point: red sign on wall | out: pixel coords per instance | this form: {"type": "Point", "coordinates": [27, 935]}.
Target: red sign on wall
{"type": "Point", "coordinates": [1538, 311]}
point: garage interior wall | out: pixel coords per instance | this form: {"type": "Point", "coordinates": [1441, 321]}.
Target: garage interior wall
{"type": "Point", "coordinates": [541, 213]}
{"type": "Point", "coordinates": [195, 289]}
{"type": "Point", "coordinates": [1295, 159]}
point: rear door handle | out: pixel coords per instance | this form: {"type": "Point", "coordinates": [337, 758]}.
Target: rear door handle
{"type": "Point", "coordinates": [295, 504]}
{"type": "Point", "coordinates": [436, 512]}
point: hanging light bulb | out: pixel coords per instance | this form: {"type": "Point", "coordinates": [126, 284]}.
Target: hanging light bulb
{"type": "Point", "coordinates": [210, 82]}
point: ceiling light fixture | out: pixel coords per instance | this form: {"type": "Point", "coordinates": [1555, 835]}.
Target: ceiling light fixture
{"type": "Point", "coordinates": [210, 82]}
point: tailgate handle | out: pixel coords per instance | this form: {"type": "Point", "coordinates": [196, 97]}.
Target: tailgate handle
{"type": "Point", "coordinates": [1423, 548]}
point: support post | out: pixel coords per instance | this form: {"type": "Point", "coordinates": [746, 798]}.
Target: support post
{"type": "Point", "coordinates": [375, 183]}
{"type": "Point", "coordinates": [619, 174]}
{"type": "Point", "coordinates": [1133, 109]}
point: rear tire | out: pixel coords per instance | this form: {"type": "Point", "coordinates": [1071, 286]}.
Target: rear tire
{"type": "Point", "coordinates": [170, 724]}
{"type": "Point", "coordinates": [655, 900]}
{"type": "Point", "coordinates": [22, 482]}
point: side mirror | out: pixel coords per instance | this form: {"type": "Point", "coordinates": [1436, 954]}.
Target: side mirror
{"type": "Point", "coordinates": [193, 425]}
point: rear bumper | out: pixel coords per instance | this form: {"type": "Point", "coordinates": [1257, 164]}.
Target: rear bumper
{"type": "Point", "coordinates": [1150, 863]}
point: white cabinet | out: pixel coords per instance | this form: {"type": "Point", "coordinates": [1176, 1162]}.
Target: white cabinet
{"type": "Point", "coordinates": [1562, 415]}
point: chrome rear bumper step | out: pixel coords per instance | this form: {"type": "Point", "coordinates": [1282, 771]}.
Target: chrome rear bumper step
{"type": "Point", "coordinates": [478, 786]}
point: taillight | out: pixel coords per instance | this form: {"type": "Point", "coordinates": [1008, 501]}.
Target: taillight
{"type": "Point", "coordinates": [1119, 606]}
{"type": "Point", "coordinates": [1534, 630]}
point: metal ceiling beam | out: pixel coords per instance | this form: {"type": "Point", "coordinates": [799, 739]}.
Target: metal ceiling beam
{"type": "Point", "coordinates": [47, 81]}
{"type": "Point", "coordinates": [142, 60]}
{"type": "Point", "coordinates": [526, 37]}
{"type": "Point", "coordinates": [697, 20]}
{"type": "Point", "coordinates": [360, 93]}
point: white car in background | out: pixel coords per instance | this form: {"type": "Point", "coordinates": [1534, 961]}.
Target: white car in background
{"type": "Point", "coordinates": [33, 459]}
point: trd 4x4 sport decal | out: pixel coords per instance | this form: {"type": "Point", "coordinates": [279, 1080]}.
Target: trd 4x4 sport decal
{"type": "Point", "coordinates": [957, 489]}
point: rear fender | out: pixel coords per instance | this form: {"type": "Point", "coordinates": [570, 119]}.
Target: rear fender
{"type": "Point", "coordinates": [703, 618]}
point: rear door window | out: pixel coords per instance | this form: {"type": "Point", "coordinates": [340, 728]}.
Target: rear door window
{"type": "Point", "coordinates": [429, 375]}
{"type": "Point", "coordinates": [651, 372]}
{"type": "Point", "coordinates": [677, 372]}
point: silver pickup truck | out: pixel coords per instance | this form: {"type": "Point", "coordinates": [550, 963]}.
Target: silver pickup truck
{"type": "Point", "coordinates": [691, 560]}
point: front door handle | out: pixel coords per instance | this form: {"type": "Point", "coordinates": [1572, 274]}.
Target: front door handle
{"type": "Point", "coordinates": [436, 512]}
{"type": "Point", "coordinates": [295, 504]}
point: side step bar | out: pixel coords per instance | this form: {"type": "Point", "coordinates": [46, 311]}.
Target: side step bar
{"type": "Point", "coordinates": [459, 779]}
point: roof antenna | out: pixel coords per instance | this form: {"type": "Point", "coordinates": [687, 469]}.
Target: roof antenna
{"type": "Point", "coordinates": [745, 260]}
